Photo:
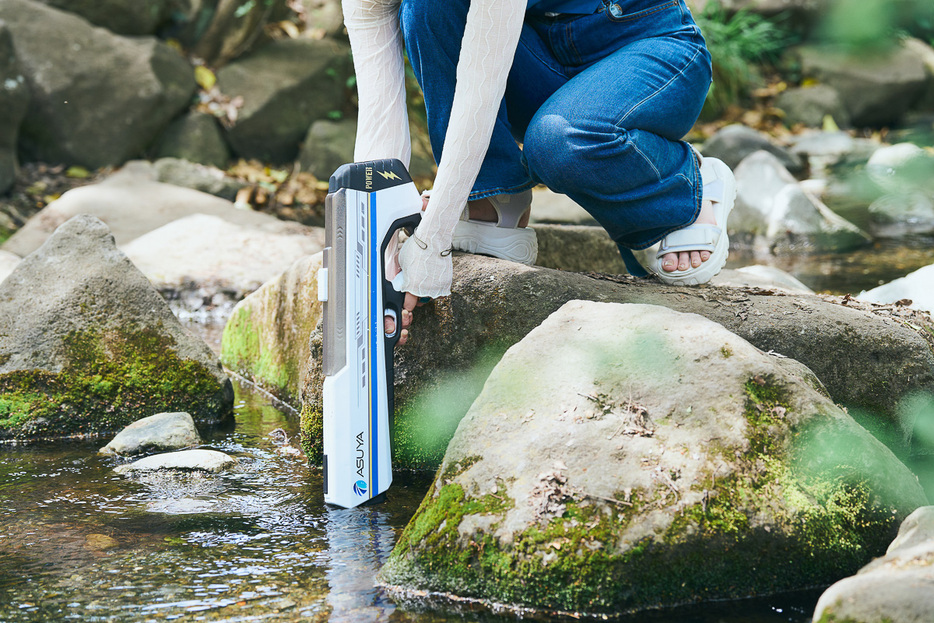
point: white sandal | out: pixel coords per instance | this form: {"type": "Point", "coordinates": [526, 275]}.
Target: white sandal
{"type": "Point", "coordinates": [504, 238]}
{"type": "Point", "coordinates": [720, 190]}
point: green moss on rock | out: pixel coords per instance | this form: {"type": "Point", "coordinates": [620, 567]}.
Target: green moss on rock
{"type": "Point", "coordinates": [111, 379]}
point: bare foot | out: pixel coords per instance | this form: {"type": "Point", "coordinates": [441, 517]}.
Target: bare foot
{"type": "Point", "coordinates": [684, 260]}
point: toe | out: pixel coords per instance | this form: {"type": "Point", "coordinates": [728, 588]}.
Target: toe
{"type": "Point", "coordinates": [670, 262]}
{"type": "Point", "coordinates": [684, 261]}
{"type": "Point", "coordinates": [695, 259]}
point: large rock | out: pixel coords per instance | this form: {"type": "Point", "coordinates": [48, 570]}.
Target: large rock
{"type": "Point", "coordinates": [159, 433]}
{"type": "Point", "coordinates": [624, 457]}
{"type": "Point", "coordinates": [267, 336]}
{"type": "Point", "coordinates": [124, 17]}
{"type": "Point", "coordinates": [896, 588]}
{"type": "Point", "coordinates": [8, 261]}
{"type": "Point", "coordinates": [196, 137]}
{"type": "Point", "coordinates": [285, 87]}
{"type": "Point", "coordinates": [869, 363]}
{"type": "Point", "coordinates": [87, 345]}
{"type": "Point", "coordinates": [97, 98]}
{"type": "Point", "coordinates": [773, 211]}
{"type": "Point", "coordinates": [914, 287]}
{"type": "Point", "coordinates": [877, 89]}
{"type": "Point", "coordinates": [14, 97]}
{"type": "Point", "coordinates": [204, 263]}
{"type": "Point", "coordinates": [131, 202]}
{"type": "Point", "coordinates": [734, 142]}
{"type": "Point", "coordinates": [810, 106]}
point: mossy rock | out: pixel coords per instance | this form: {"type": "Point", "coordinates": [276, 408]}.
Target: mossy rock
{"type": "Point", "coordinates": [98, 347]}
{"type": "Point", "coordinates": [871, 364]}
{"type": "Point", "coordinates": [626, 457]}
{"type": "Point", "coordinates": [266, 339]}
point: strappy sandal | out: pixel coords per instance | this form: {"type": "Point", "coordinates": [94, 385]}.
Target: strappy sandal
{"type": "Point", "coordinates": [504, 238]}
{"type": "Point", "coordinates": [720, 190]}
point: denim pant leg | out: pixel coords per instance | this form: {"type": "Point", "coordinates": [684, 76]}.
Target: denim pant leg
{"type": "Point", "coordinates": [611, 137]}
{"type": "Point", "coordinates": [433, 31]}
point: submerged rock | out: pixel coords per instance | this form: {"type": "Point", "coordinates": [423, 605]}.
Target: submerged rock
{"type": "Point", "coordinates": [896, 588]}
{"type": "Point", "coordinates": [185, 460]}
{"type": "Point", "coordinates": [160, 432]}
{"type": "Point", "coordinates": [87, 345]}
{"type": "Point", "coordinates": [623, 457]}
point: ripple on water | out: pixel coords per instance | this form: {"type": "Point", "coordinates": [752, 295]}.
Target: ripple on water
{"type": "Point", "coordinates": [78, 542]}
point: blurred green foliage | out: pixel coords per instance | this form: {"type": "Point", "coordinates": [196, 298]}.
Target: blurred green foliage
{"type": "Point", "coordinates": [868, 26]}
{"type": "Point", "coordinates": [739, 44]}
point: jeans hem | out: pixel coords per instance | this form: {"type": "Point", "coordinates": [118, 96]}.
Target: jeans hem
{"type": "Point", "coordinates": [492, 192]}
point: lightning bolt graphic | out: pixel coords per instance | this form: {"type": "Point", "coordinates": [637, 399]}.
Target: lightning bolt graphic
{"type": "Point", "coordinates": [389, 175]}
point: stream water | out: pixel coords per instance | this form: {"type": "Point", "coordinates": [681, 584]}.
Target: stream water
{"type": "Point", "coordinates": [78, 542]}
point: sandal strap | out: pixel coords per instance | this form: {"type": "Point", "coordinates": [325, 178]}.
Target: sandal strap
{"type": "Point", "coordinates": [697, 237]}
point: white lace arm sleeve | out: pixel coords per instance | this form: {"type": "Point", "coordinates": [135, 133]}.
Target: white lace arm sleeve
{"type": "Point", "coordinates": [489, 45]}
{"type": "Point", "coordinates": [376, 41]}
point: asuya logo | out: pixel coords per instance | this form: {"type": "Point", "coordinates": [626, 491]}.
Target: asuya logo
{"type": "Point", "coordinates": [359, 487]}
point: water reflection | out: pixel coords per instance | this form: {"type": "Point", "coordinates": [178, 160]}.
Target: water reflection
{"type": "Point", "coordinates": [78, 542]}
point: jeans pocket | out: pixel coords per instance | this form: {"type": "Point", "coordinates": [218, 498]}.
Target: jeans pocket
{"type": "Point", "coordinates": [617, 13]}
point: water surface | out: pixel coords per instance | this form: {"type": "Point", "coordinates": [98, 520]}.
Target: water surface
{"type": "Point", "coordinates": [78, 542]}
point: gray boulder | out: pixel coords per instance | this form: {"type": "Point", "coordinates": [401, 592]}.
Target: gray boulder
{"type": "Point", "coordinates": [734, 142]}
{"type": "Point", "coordinates": [896, 588]}
{"type": "Point", "coordinates": [159, 433]}
{"type": "Point", "coordinates": [579, 248]}
{"type": "Point", "coordinates": [196, 137]}
{"type": "Point", "coordinates": [8, 262]}
{"type": "Point", "coordinates": [204, 263]}
{"type": "Point", "coordinates": [97, 98]}
{"type": "Point", "coordinates": [926, 53]}
{"type": "Point", "coordinates": [825, 150]}
{"type": "Point", "coordinates": [914, 287]}
{"type": "Point", "coordinates": [876, 89]}
{"type": "Point", "coordinates": [759, 276]}
{"type": "Point", "coordinates": [626, 457]}
{"type": "Point", "coordinates": [324, 18]}
{"type": "Point", "coordinates": [267, 337]}
{"type": "Point", "coordinates": [869, 363]}
{"type": "Point", "coordinates": [549, 207]}
{"type": "Point", "coordinates": [14, 98]}
{"type": "Point", "coordinates": [124, 17]}
{"type": "Point", "coordinates": [285, 86]}
{"type": "Point", "coordinates": [774, 212]}
{"type": "Point", "coordinates": [189, 174]}
{"type": "Point", "coordinates": [328, 145]}
{"type": "Point", "coordinates": [186, 461]}
{"type": "Point", "coordinates": [98, 348]}
{"type": "Point", "coordinates": [132, 203]}
{"type": "Point", "coordinates": [809, 106]}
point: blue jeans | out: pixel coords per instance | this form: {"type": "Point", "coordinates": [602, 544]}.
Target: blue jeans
{"type": "Point", "coordinates": [598, 102]}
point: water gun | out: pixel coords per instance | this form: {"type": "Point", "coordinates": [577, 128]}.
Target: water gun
{"type": "Point", "coordinates": [366, 206]}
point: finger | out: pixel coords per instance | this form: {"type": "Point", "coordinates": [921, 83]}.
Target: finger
{"type": "Point", "coordinates": [389, 325]}
{"type": "Point", "coordinates": [403, 337]}
{"type": "Point", "coordinates": [406, 318]}
{"type": "Point", "coordinates": [410, 301]}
